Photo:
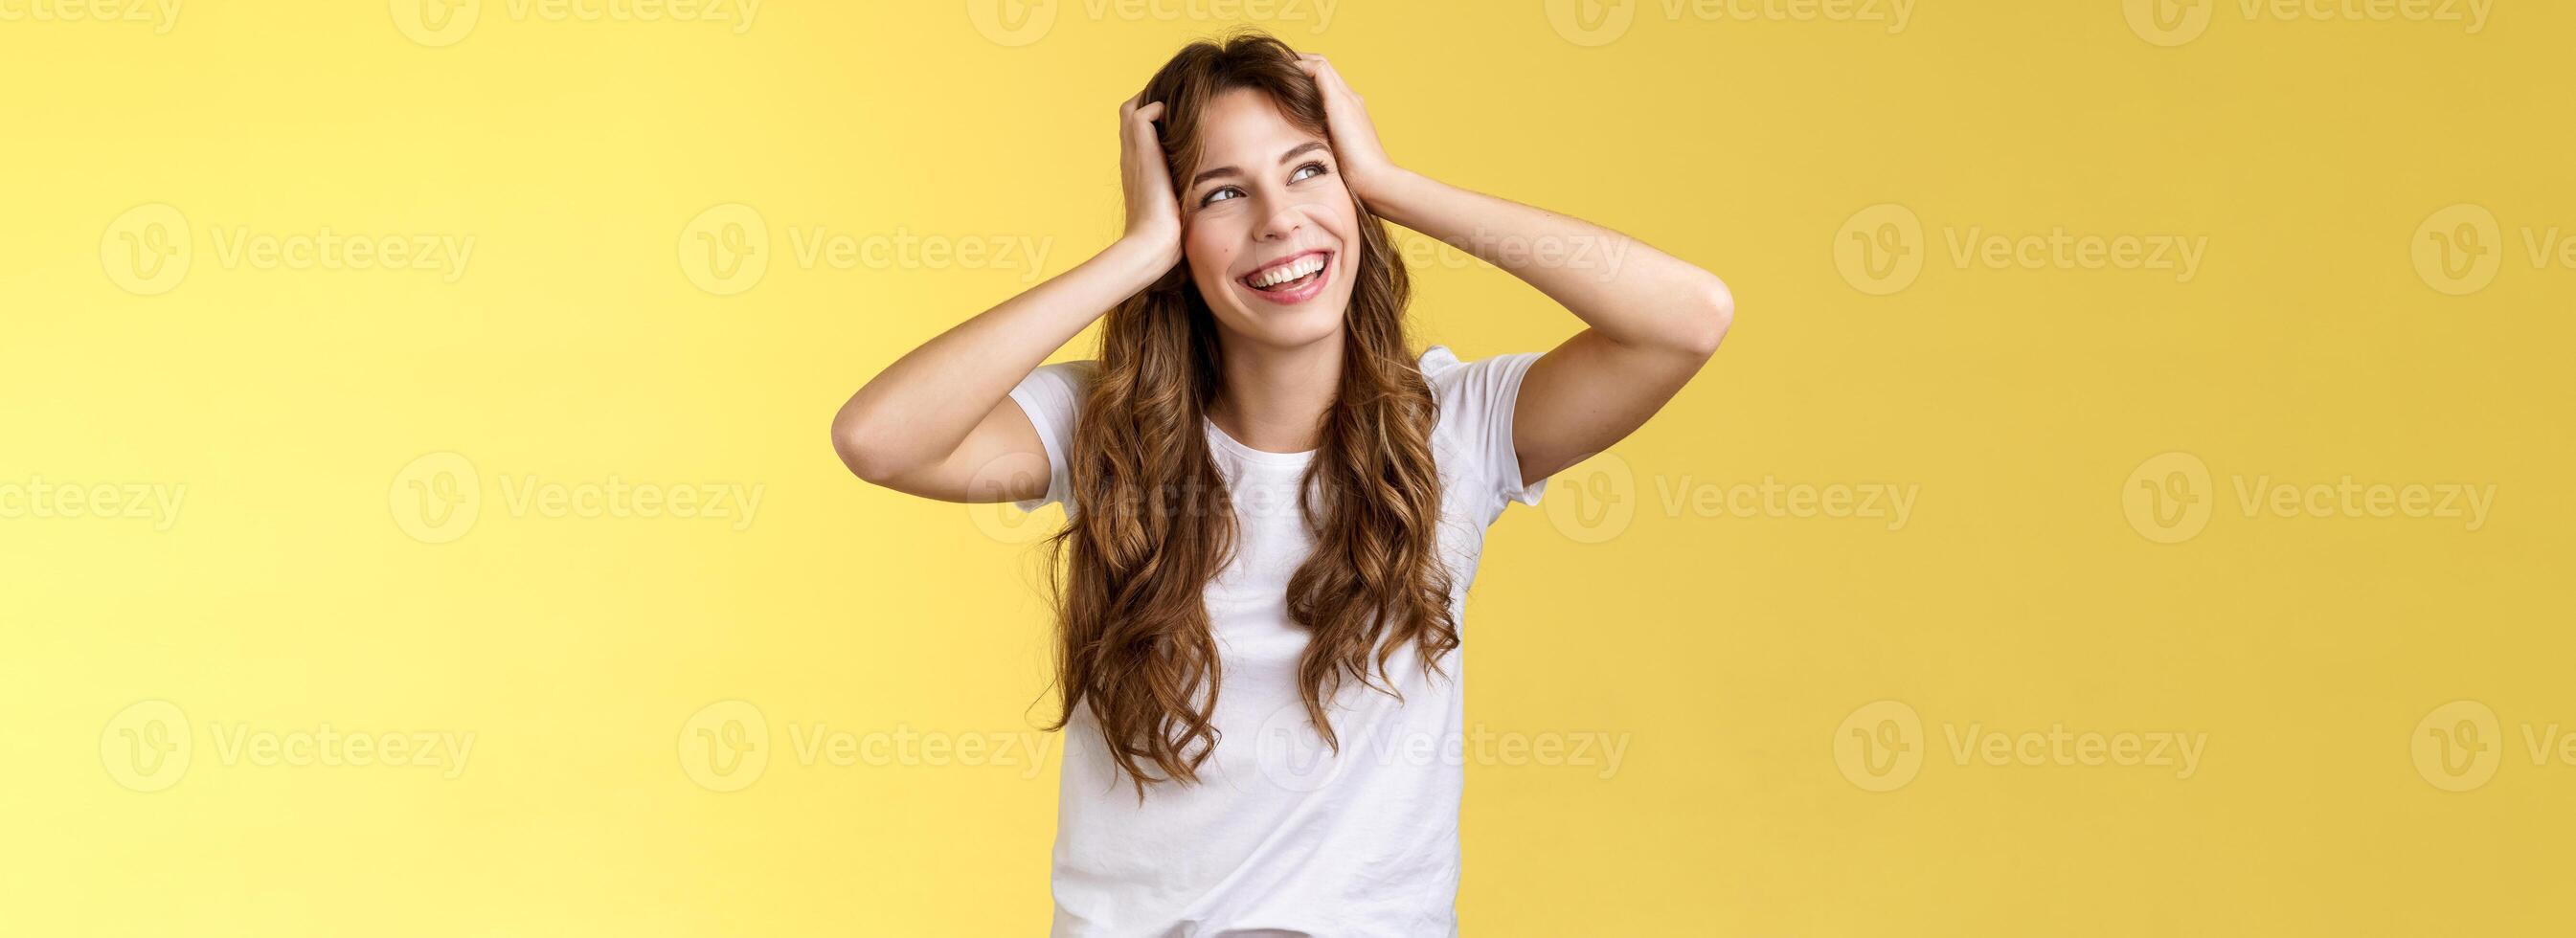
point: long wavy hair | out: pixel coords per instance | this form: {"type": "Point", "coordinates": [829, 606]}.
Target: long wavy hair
{"type": "Point", "coordinates": [1151, 522]}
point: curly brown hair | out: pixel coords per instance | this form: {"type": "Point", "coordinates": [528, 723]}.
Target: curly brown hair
{"type": "Point", "coordinates": [1151, 523]}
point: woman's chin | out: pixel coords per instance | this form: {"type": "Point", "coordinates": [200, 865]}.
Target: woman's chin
{"type": "Point", "coordinates": [1291, 326]}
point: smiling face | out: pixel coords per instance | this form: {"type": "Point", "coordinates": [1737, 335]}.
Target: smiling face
{"type": "Point", "coordinates": [1268, 228]}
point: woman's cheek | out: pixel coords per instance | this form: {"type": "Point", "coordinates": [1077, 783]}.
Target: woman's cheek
{"type": "Point", "coordinates": [1210, 254]}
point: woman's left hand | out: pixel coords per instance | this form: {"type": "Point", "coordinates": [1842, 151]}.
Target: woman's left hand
{"type": "Point", "coordinates": [1364, 164]}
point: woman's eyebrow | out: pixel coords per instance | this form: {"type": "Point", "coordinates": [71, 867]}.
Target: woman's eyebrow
{"type": "Point", "coordinates": [1224, 171]}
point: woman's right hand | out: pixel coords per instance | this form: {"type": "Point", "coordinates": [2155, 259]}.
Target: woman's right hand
{"type": "Point", "coordinates": [1153, 212]}
{"type": "Point", "coordinates": [940, 422]}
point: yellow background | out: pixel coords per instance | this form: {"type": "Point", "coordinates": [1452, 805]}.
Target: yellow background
{"type": "Point", "coordinates": [1726, 648]}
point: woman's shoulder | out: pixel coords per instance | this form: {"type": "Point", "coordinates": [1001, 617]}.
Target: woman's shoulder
{"type": "Point", "coordinates": [1439, 365]}
{"type": "Point", "coordinates": [1052, 395]}
{"type": "Point", "coordinates": [1476, 397]}
{"type": "Point", "coordinates": [1079, 370]}
{"type": "Point", "coordinates": [1477, 400]}
{"type": "Point", "coordinates": [1460, 381]}
{"type": "Point", "coordinates": [1066, 377]}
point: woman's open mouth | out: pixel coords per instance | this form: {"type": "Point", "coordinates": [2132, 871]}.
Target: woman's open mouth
{"type": "Point", "coordinates": [1292, 279]}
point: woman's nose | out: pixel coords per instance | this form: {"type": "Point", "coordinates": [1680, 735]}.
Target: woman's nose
{"type": "Point", "coordinates": [1282, 222]}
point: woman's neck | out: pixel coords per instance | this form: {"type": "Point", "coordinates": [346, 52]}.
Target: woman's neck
{"type": "Point", "coordinates": [1273, 399]}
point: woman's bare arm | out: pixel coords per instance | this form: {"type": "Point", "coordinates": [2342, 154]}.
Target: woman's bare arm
{"type": "Point", "coordinates": [939, 422]}
{"type": "Point", "coordinates": [1652, 319]}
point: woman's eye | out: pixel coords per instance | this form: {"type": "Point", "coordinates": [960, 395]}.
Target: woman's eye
{"type": "Point", "coordinates": [1223, 193]}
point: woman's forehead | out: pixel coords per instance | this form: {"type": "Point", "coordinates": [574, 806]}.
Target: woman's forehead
{"type": "Point", "coordinates": [1246, 120]}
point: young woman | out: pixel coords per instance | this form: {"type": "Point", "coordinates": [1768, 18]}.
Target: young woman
{"type": "Point", "coordinates": [1274, 504]}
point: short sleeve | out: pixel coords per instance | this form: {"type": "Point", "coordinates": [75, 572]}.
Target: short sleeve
{"type": "Point", "coordinates": [1052, 396]}
{"type": "Point", "coordinates": [1477, 402]}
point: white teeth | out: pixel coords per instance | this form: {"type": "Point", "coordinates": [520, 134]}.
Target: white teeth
{"type": "Point", "coordinates": [1287, 272]}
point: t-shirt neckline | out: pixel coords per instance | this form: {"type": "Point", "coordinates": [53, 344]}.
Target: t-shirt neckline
{"type": "Point", "coordinates": [1227, 442]}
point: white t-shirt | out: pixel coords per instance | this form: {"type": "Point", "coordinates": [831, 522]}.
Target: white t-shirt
{"type": "Point", "coordinates": [1281, 837]}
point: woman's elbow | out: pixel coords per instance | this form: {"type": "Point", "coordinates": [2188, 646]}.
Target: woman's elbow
{"type": "Point", "coordinates": [860, 447]}
{"type": "Point", "coordinates": [1712, 314]}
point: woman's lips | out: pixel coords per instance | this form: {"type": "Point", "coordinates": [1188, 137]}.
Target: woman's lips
{"type": "Point", "coordinates": [1313, 286]}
